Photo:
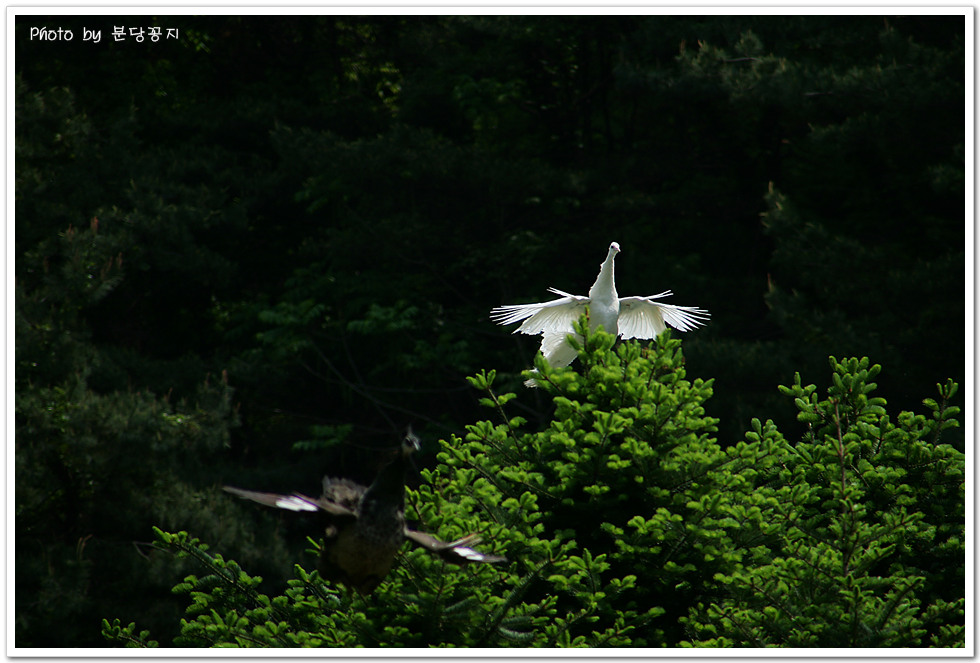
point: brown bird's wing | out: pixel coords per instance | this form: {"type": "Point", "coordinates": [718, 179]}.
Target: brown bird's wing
{"type": "Point", "coordinates": [294, 502]}
{"type": "Point", "coordinates": [456, 552]}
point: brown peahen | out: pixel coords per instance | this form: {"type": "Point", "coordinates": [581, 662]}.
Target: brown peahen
{"type": "Point", "coordinates": [367, 526]}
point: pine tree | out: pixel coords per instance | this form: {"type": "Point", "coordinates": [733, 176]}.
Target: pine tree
{"type": "Point", "coordinates": [628, 525]}
{"type": "Point", "coordinates": [857, 539]}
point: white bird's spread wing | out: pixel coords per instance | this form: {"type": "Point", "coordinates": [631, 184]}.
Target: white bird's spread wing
{"type": "Point", "coordinates": [641, 317]}
{"type": "Point", "coordinates": [554, 316]}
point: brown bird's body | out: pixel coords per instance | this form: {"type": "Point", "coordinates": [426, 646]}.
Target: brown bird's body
{"type": "Point", "coordinates": [367, 525]}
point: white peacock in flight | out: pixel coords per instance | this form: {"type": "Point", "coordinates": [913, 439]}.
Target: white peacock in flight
{"type": "Point", "coordinates": [628, 317]}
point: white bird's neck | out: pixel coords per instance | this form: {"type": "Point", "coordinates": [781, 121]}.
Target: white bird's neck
{"type": "Point", "coordinates": [604, 288]}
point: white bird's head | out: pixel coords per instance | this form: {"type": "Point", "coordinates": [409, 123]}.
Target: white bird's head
{"type": "Point", "coordinates": [614, 247]}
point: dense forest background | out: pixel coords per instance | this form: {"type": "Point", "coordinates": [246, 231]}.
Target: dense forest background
{"type": "Point", "coordinates": [253, 253]}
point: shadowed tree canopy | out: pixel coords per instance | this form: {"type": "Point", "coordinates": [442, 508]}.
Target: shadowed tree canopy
{"type": "Point", "coordinates": [252, 251]}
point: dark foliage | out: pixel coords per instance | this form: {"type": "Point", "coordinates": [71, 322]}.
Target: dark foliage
{"type": "Point", "coordinates": [257, 251]}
